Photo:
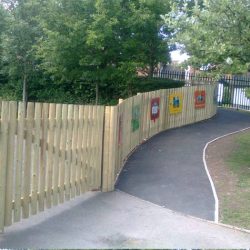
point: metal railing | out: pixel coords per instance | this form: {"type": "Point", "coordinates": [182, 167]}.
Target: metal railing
{"type": "Point", "coordinates": [233, 90]}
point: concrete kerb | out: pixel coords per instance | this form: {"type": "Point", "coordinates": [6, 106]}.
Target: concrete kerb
{"type": "Point", "coordinates": [216, 212]}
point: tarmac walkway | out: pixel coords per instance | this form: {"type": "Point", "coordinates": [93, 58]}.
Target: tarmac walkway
{"type": "Point", "coordinates": [168, 169]}
{"type": "Point", "coordinates": [119, 220]}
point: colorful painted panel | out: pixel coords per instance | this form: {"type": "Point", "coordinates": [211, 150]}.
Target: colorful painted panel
{"type": "Point", "coordinates": [135, 122]}
{"type": "Point", "coordinates": [200, 99]}
{"type": "Point", "coordinates": [155, 108]}
{"type": "Point", "coordinates": [175, 103]}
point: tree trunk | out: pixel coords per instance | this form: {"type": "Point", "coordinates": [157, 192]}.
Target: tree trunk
{"type": "Point", "coordinates": [151, 70]}
{"type": "Point", "coordinates": [96, 93]}
{"type": "Point", "coordinates": [25, 94]}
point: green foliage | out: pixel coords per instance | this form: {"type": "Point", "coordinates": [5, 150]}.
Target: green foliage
{"type": "Point", "coordinates": [102, 42]}
{"type": "Point", "coordinates": [216, 32]}
{"type": "Point", "coordinates": [248, 92]}
{"type": "Point", "coordinates": [151, 84]}
{"type": "Point", "coordinates": [3, 27]}
{"type": "Point", "coordinates": [86, 49]}
{"type": "Point", "coordinates": [10, 92]}
{"type": "Point", "coordinates": [18, 56]}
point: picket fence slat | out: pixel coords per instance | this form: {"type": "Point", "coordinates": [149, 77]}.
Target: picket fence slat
{"type": "Point", "coordinates": [19, 162]}
{"type": "Point", "coordinates": [88, 148]}
{"type": "Point", "coordinates": [77, 153]}
{"type": "Point", "coordinates": [106, 158]}
{"type": "Point", "coordinates": [56, 172]}
{"type": "Point", "coordinates": [36, 163]}
{"type": "Point", "coordinates": [10, 163]}
{"type": "Point", "coordinates": [74, 148]}
{"type": "Point", "coordinates": [92, 118]}
{"type": "Point", "coordinates": [51, 134]}
{"type": "Point", "coordinates": [83, 150]}
{"type": "Point", "coordinates": [69, 152]}
{"type": "Point", "coordinates": [79, 150]}
{"type": "Point", "coordinates": [3, 160]}
{"type": "Point", "coordinates": [43, 156]}
{"type": "Point", "coordinates": [27, 160]}
{"type": "Point", "coordinates": [63, 153]}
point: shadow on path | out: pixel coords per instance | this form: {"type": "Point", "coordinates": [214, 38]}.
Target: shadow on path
{"type": "Point", "coordinates": [117, 220]}
{"type": "Point", "coordinates": [168, 169]}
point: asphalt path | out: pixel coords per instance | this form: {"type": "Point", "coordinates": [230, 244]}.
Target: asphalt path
{"type": "Point", "coordinates": [168, 169]}
{"type": "Point", "coordinates": [117, 220]}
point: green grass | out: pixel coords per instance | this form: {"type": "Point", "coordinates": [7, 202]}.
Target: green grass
{"type": "Point", "coordinates": [236, 207]}
{"type": "Point", "coordinates": [239, 161]}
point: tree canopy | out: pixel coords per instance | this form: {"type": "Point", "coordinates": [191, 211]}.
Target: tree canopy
{"type": "Point", "coordinates": [87, 48]}
{"type": "Point", "coordinates": [213, 31]}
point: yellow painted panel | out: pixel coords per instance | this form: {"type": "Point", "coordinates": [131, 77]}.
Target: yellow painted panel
{"type": "Point", "coordinates": [175, 103]}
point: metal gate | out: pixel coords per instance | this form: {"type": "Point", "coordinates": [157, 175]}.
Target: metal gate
{"type": "Point", "coordinates": [234, 92]}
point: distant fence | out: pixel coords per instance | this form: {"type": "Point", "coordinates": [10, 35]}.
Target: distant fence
{"type": "Point", "coordinates": [233, 90]}
{"type": "Point", "coordinates": [188, 77]}
{"type": "Point", "coordinates": [53, 152]}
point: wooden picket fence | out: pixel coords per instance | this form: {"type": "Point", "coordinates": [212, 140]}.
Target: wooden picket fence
{"type": "Point", "coordinates": [48, 155]}
{"type": "Point", "coordinates": [52, 152]}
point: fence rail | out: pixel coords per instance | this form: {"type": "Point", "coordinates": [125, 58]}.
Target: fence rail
{"type": "Point", "coordinates": [188, 77]}
{"type": "Point", "coordinates": [52, 152]}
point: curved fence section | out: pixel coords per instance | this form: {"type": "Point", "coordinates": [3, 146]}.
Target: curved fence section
{"type": "Point", "coordinates": [140, 117]}
{"type": "Point", "coordinates": [51, 153]}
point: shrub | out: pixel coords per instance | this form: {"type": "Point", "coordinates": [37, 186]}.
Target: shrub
{"type": "Point", "coordinates": [151, 84]}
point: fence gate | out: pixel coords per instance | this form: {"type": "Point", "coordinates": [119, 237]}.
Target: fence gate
{"type": "Point", "coordinates": [234, 92]}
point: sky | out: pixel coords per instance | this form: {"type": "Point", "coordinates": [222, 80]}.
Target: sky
{"type": "Point", "coordinates": [177, 56]}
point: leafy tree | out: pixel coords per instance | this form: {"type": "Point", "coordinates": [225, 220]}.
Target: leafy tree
{"type": "Point", "coordinates": [216, 31]}
{"type": "Point", "coordinates": [3, 27]}
{"type": "Point", "coordinates": [86, 49]}
{"type": "Point", "coordinates": [98, 41]}
{"type": "Point", "coordinates": [148, 32]}
{"type": "Point", "coordinates": [22, 32]}
{"type": "Point", "coordinates": [81, 43]}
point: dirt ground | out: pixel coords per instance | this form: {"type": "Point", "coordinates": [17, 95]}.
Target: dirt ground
{"type": "Point", "coordinates": [225, 181]}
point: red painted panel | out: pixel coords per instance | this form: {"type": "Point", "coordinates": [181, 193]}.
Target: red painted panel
{"type": "Point", "coordinates": [155, 108]}
{"type": "Point", "coordinates": [200, 99]}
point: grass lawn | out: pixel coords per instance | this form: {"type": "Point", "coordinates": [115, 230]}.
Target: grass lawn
{"type": "Point", "coordinates": [236, 207]}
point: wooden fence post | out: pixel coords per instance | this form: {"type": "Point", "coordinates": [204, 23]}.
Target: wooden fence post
{"type": "Point", "coordinates": [10, 162]}
{"type": "Point", "coordinates": [109, 148]}
{"type": "Point", "coordinates": [3, 160]}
